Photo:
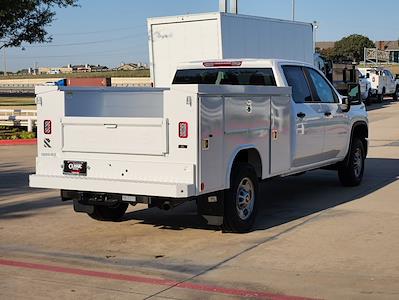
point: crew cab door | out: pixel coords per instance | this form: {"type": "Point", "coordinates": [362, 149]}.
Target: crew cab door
{"type": "Point", "coordinates": [335, 122]}
{"type": "Point", "coordinates": [308, 134]}
{"type": "Point", "coordinates": [389, 81]}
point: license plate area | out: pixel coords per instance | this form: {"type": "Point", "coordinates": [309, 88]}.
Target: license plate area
{"type": "Point", "coordinates": [73, 167]}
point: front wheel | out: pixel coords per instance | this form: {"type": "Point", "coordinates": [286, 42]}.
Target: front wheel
{"type": "Point", "coordinates": [380, 97]}
{"type": "Point", "coordinates": [241, 200]}
{"type": "Point", "coordinates": [351, 173]}
{"type": "Point", "coordinates": [109, 213]}
{"type": "Point", "coordinates": [396, 94]}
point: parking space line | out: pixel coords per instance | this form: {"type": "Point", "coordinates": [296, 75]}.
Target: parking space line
{"type": "Point", "coordinates": [149, 280]}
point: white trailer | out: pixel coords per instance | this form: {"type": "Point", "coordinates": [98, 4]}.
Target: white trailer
{"type": "Point", "coordinates": [177, 39]}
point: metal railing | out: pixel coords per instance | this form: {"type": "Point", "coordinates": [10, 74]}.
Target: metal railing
{"type": "Point", "coordinates": [19, 117]}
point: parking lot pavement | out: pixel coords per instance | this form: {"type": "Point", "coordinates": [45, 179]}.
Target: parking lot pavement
{"type": "Point", "coordinates": [313, 239]}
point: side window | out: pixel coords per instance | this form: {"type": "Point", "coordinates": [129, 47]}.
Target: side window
{"type": "Point", "coordinates": [324, 91]}
{"type": "Point", "coordinates": [388, 73]}
{"type": "Point", "coordinates": [235, 76]}
{"type": "Point", "coordinates": [296, 79]}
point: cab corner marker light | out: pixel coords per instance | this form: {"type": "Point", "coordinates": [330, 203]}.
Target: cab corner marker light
{"type": "Point", "coordinates": [183, 130]}
{"type": "Point", "coordinates": [47, 126]}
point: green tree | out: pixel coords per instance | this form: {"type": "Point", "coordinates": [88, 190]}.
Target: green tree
{"type": "Point", "coordinates": [328, 53]}
{"type": "Point", "coordinates": [352, 47]}
{"type": "Point", "coordinates": [25, 20]}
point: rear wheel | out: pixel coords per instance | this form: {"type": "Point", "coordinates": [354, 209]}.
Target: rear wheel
{"type": "Point", "coordinates": [241, 201]}
{"type": "Point", "coordinates": [351, 173]}
{"type": "Point", "coordinates": [109, 213]}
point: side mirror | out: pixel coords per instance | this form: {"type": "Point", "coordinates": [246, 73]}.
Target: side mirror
{"type": "Point", "coordinates": [345, 104]}
{"type": "Point", "coordinates": [367, 75]}
{"type": "Point", "coordinates": [354, 94]}
{"type": "Point", "coordinates": [397, 76]}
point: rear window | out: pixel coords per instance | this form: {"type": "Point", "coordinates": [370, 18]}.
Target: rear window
{"type": "Point", "coordinates": [234, 76]}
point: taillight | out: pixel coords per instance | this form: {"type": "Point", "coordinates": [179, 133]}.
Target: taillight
{"type": "Point", "coordinates": [183, 130]}
{"type": "Point", "coordinates": [47, 126]}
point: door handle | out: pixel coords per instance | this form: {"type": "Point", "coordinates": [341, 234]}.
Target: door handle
{"type": "Point", "coordinates": [111, 126]}
{"type": "Point", "coordinates": [301, 115]}
{"type": "Point", "coordinates": [327, 113]}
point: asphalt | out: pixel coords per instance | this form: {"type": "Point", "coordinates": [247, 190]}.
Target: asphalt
{"type": "Point", "coordinates": [313, 239]}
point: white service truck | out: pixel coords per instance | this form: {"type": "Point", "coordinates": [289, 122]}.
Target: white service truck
{"type": "Point", "coordinates": [382, 82]}
{"type": "Point", "coordinates": [213, 136]}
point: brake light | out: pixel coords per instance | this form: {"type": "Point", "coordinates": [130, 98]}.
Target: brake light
{"type": "Point", "coordinates": [222, 64]}
{"type": "Point", "coordinates": [47, 127]}
{"type": "Point", "coordinates": [183, 130]}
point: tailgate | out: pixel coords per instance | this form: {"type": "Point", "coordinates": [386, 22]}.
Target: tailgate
{"type": "Point", "coordinates": [115, 135]}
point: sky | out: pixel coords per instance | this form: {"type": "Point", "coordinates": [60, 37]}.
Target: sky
{"type": "Point", "coordinates": [114, 32]}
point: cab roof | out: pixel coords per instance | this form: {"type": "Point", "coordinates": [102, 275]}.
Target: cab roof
{"type": "Point", "coordinates": [239, 63]}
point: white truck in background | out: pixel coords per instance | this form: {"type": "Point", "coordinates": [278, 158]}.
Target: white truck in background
{"type": "Point", "coordinates": [382, 82]}
{"type": "Point", "coordinates": [177, 39]}
{"type": "Point", "coordinates": [213, 136]}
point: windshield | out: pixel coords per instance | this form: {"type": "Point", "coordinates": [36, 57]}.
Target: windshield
{"type": "Point", "coordinates": [234, 76]}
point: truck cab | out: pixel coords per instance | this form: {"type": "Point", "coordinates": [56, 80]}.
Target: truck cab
{"type": "Point", "coordinates": [222, 128]}
{"type": "Point", "coordinates": [382, 82]}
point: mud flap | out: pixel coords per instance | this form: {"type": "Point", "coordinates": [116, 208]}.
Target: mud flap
{"type": "Point", "coordinates": [211, 207]}
{"type": "Point", "coordinates": [84, 208]}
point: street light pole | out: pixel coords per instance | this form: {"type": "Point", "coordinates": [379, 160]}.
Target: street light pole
{"type": "Point", "coordinates": [315, 27]}
{"type": "Point", "coordinates": [293, 10]}
{"type": "Point", "coordinates": [4, 61]}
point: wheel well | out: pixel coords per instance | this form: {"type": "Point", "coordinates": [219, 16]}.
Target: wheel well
{"type": "Point", "coordinates": [360, 131]}
{"type": "Point", "coordinates": [252, 157]}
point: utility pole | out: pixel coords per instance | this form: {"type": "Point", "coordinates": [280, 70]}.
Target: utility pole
{"type": "Point", "coordinates": [5, 61]}
{"type": "Point", "coordinates": [234, 6]}
{"type": "Point", "coordinates": [223, 6]}
{"type": "Point", "coordinates": [293, 10]}
{"type": "Point", "coordinates": [315, 27]}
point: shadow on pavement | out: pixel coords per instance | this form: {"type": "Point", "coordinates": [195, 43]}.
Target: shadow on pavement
{"type": "Point", "coordinates": [285, 199]}
{"type": "Point", "coordinates": [14, 180]}
{"type": "Point", "coordinates": [23, 209]}
{"type": "Point", "coordinates": [387, 102]}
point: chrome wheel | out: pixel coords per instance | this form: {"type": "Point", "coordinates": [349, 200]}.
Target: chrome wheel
{"type": "Point", "coordinates": [245, 198]}
{"type": "Point", "coordinates": [357, 162]}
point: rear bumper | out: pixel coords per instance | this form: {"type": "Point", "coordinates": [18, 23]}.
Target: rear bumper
{"type": "Point", "coordinates": [144, 188]}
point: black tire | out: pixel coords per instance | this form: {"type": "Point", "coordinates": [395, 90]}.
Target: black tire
{"type": "Point", "coordinates": [109, 213]}
{"type": "Point", "coordinates": [241, 200]}
{"type": "Point", "coordinates": [396, 94]}
{"type": "Point", "coordinates": [380, 98]}
{"type": "Point", "coordinates": [367, 101]}
{"type": "Point", "coordinates": [351, 173]}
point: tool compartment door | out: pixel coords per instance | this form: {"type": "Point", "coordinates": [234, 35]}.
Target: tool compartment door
{"type": "Point", "coordinates": [115, 135]}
